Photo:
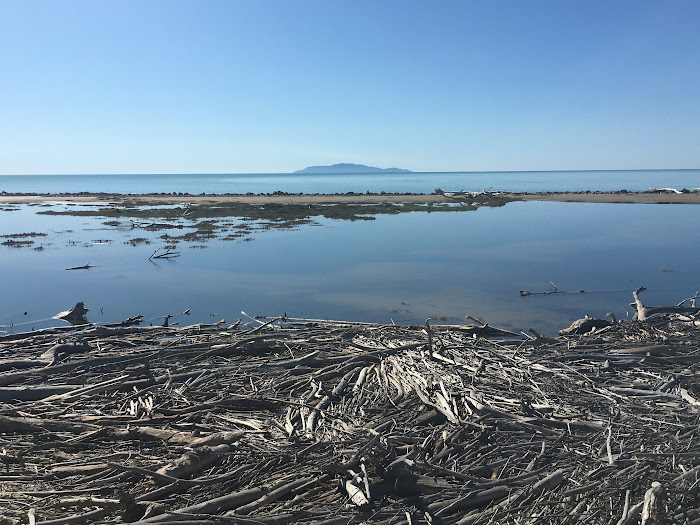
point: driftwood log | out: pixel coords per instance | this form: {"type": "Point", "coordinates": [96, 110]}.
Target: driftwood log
{"type": "Point", "coordinates": [642, 313]}
{"type": "Point", "coordinates": [296, 421]}
{"type": "Point", "coordinates": [75, 315]}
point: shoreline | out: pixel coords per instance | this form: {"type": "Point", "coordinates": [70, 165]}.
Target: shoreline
{"type": "Point", "coordinates": [618, 197]}
{"type": "Point", "coordinates": [128, 405]}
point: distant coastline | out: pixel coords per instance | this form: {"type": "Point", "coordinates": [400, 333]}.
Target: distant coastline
{"type": "Point", "coordinates": [346, 168]}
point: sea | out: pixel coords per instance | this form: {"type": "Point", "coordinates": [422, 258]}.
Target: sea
{"type": "Point", "coordinates": [516, 181]}
{"type": "Point", "coordinates": [400, 269]}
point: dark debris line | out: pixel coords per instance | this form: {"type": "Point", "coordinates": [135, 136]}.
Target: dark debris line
{"type": "Point", "coordinates": [338, 423]}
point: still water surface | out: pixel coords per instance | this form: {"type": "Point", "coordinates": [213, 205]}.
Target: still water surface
{"type": "Point", "coordinates": [401, 268]}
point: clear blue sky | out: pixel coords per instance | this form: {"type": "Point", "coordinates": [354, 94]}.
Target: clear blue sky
{"type": "Point", "coordinates": [237, 86]}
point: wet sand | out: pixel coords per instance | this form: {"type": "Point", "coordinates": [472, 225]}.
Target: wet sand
{"type": "Point", "coordinates": [614, 197]}
{"type": "Point", "coordinates": [352, 198]}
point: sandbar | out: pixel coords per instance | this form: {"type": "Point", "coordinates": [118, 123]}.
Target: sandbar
{"type": "Point", "coordinates": [648, 197]}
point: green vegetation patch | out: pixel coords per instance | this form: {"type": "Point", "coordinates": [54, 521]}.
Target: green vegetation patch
{"type": "Point", "coordinates": [207, 219]}
{"type": "Point", "coordinates": [12, 243]}
{"type": "Point", "coordinates": [22, 235]}
{"type": "Point", "coordinates": [137, 240]}
{"type": "Point", "coordinates": [204, 226]}
{"type": "Point", "coordinates": [279, 211]}
{"type": "Point", "coordinates": [194, 236]}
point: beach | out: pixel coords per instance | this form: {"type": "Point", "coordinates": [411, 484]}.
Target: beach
{"type": "Point", "coordinates": [349, 263]}
{"type": "Point", "coordinates": [283, 420]}
{"type": "Point", "coordinates": [133, 418]}
{"type": "Point", "coordinates": [655, 197]}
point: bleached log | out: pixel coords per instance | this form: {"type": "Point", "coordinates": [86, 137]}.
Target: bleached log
{"type": "Point", "coordinates": [653, 511]}
{"type": "Point", "coordinates": [644, 312]}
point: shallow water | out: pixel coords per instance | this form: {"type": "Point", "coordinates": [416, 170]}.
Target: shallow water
{"type": "Point", "coordinates": [398, 268]}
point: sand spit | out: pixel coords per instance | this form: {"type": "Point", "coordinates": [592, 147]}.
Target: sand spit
{"type": "Point", "coordinates": [650, 197]}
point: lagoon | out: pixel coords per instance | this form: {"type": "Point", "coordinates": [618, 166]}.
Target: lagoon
{"type": "Point", "coordinates": [397, 268]}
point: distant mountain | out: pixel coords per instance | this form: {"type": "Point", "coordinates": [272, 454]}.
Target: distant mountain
{"type": "Point", "coordinates": [350, 168]}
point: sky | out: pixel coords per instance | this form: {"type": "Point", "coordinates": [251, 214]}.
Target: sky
{"type": "Point", "coordinates": [254, 86]}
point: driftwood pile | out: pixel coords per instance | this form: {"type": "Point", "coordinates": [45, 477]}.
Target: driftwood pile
{"type": "Point", "coordinates": [298, 421]}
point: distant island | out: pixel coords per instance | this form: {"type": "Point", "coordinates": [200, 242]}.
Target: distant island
{"type": "Point", "coordinates": [350, 168]}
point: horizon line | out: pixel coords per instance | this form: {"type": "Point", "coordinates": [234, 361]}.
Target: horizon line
{"type": "Point", "coordinates": [339, 173]}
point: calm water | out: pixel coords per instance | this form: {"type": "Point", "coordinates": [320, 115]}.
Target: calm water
{"type": "Point", "coordinates": [401, 268]}
{"type": "Point", "coordinates": [525, 181]}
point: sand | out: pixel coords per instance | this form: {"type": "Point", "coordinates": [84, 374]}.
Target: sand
{"type": "Point", "coordinates": [351, 198]}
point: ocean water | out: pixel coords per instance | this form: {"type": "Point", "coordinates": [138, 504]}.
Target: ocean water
{"type": "Point", "coordinates": [525, 181]}
{"type": "Point", "coordinates": [398, 268]}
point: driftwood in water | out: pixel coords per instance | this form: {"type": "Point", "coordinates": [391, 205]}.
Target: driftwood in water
{"type": "Point", "coordinates": [154, 226]}
{"type": "Point", "coordinates": [305, 421]}
{"type": "Point", "coordinates": [525, 293]}
{"type": "Point", "coordinates": [83, 267]}
{"type": "Point", "coordinates": [166, 253]}
{"type": "Point", "coordinates": [134, 320]}
{"type": "Point", "coordinates": [75, 315]}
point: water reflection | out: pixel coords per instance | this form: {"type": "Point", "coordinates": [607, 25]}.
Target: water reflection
{"type": "Point", "coordinates": [401, 268]}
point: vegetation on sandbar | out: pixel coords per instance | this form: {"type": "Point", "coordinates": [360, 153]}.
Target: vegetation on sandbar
{"type": "Point", "coordinates": [22, 235]}
{"type": "Point", "coordinates": [278, 211]}
{"type": "Point", "coordinates": [237, 220]}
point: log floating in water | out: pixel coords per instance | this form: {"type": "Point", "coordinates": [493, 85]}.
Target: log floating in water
{"type": "Point", "coordinates": [75, 315]}
{"type": "Point", "coordinates": [83, 267]}
{"type": "Point", "coordinates": [166, 252]}
{"type": "Point", "coordinates": [555, 290]}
